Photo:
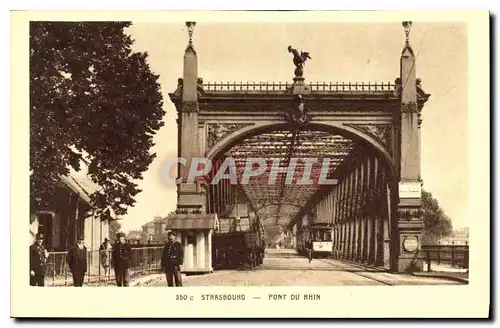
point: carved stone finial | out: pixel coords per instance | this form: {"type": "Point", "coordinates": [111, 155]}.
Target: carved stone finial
{"type": "Point", "coordinates": [407, 26]}
{"type": "Point", "coordinates": [190, 26]}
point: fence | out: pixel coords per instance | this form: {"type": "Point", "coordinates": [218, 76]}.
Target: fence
{"type": "Point", "coordinates": [456, 255]}
{"type": "Point", "coordinates": [273, 87]}
{"type": "Point", "coordinates": [143, 260]}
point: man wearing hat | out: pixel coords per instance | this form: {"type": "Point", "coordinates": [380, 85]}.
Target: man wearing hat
{"type": "Point", "coordinates": [171, 261]}
{"type": "Point", "coordinates": [120, 257]}
{"type": "Point", "coordinates": [38, 261]}
{"type": "Point", "coordinates": [77, 261]}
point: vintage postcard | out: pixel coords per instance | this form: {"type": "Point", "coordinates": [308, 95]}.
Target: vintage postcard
{"type": "Point", "coordinates": [267, 164]}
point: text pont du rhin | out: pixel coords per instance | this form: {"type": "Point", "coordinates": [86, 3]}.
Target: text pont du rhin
{"type": "Point", "coordinates": [294, 297]}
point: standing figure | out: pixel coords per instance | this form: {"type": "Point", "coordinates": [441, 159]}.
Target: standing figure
{"type": "Point", "coordinates": [171, 261]}
{"type": "Point", "coordinates": [120, 258]}
{"type": "Point", "coordinates": [105, 255]}
{"type": "Point", "coordinates": [310, 250]}
{"type": "Point", "coordinates": [77, 262]}
{"type": "Point", "coordinates": [38, 261]}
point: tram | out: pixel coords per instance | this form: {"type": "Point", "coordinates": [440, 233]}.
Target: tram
{"type": "Point", "coordinates": [319, 235]}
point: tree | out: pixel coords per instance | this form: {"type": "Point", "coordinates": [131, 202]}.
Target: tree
{"type": "Point", "coordinates": [436, 223]}
{"type": "Point", "coordinates": [114, 228]}
{"type": "Point", "coordinates": [91, 99]}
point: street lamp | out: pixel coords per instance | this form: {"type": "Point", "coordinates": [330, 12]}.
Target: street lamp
{"type": "Point", "coordinates": [407, 26]}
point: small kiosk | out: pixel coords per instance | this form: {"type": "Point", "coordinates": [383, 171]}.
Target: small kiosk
{"type": "Point", "coordinates": [195, 231]}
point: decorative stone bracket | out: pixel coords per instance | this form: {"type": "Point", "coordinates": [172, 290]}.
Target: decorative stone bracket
{"type": "Point", "coordinates": [190, 107]}
{"type": "Point", "coordinates": [217, 131]}
{"type": "Point", "coordinates": [299, 113]}
{"type": "Point", "coordinates": [408, 214]}
{"type": "Point", "coordinates": [409, 108]}
{"type": "Point", "coordinates": [380, 132]}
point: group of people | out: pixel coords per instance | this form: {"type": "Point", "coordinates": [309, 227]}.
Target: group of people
{"type": "Point", "coordinates": [118, 256]}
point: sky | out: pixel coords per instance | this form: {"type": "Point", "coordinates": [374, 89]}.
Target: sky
{"type": "Point", "coordinates": [340, 52]}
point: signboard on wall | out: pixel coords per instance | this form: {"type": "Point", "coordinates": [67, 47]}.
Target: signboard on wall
{"type": "Point", "coordinates": [410, 189]}
{"type": "Point", "coordinates": [410, 244]}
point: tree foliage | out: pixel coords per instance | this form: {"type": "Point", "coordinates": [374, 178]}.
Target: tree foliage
{"type": "Point", "coordinates": [436, 223]}
{"type": "Point", "coordinates": [90, 96]}
{"type": "Point", "coordinates": [114, 228]}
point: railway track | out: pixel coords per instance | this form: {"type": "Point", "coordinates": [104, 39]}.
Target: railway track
{"type": "Point", "coordinates": [358, 272]}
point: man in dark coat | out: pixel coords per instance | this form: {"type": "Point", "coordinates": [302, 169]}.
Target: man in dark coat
{"type": "Point", "coordinates": [38, 261]}
{"type": "Point", "coordinates": [77, 262]}
{"type": "Point", "coordinates": [310, 250]}
{"type": "Point", "coordinates": [120, 258]}
{"type": "Point", "coordinates": [171, 261]}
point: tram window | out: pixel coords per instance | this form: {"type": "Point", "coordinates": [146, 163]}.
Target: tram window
{"type": "Point", "coordinates": [319, 235]}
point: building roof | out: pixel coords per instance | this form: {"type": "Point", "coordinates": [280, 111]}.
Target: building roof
{"type": "Point", "coordinates": [149, 224]}
{"type": "Point", "coordinates": [191, 222]}
{"type": "Point", "coordinates": [81, 184]}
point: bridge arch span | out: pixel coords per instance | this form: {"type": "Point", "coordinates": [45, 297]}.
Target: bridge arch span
{"type": "Point", "coordinates": [225, 144]}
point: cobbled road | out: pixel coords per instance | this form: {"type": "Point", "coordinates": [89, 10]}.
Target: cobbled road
{"type": "Point", "coordinates": [288, 269]}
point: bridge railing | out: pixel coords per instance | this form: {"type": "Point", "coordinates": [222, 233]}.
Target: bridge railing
{"type": "Point", "coordinates": [352, 87]}
{"type": "Point", "coordinates": [246, 86]}
{"type": "Point", "coordinates": [274, 87]}
{"type": "Point", "coordinates": [456, 255]}
{"type": "Point", "coordinates": [99, 269]}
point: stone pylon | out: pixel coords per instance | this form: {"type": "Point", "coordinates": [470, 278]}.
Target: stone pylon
{"type": "Point", "coordinates": [409, 213]}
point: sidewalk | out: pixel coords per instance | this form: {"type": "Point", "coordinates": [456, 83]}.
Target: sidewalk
{"type": "Point", "coordinates": [152, 279]}
{"type": "Point", "coordinates": [441, 271]}
{"type": "Point", "coordinates": [97, 281]}
{"type": "Point", "coordinates": [444, 267]}
{"type": "Point", "coordinates": [445, 271]}
{"type": "Point", "coordinates": [462, 277]}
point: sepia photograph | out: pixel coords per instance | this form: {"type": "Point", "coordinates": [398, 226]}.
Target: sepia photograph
{"type": "Point", "coordinates": [308, 153]}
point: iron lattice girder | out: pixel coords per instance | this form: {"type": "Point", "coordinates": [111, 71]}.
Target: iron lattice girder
{"type": "Point", "coordinates": [285, 146]}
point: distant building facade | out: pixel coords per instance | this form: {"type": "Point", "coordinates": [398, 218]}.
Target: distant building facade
{"type": "Point", "coordinates": [155, 229]}
{"type": "Point", "coordinates": [458, 237]}
{"type": "Point", "coordinates": [149, 229]}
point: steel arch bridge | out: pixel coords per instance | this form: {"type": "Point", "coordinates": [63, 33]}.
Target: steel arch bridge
{"type": "Point", "coordinates": [369, 133]}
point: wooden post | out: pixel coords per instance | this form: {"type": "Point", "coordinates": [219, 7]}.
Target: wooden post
{"type": "Point", "coordinates": [53, 270]}
{"type": "Point", "coordinates": [439, 254]}
{"type": "Point", "coordinates": [452, 254]}
{"type": "Point", "coordinates": [429, 261]}
{"type": "Point", "coordinates": [466, 257]}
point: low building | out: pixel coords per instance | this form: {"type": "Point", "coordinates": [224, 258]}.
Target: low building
{"type": "Point", "coordinates": [70, 213]}
{"type": "Point", "coordinates": [149, 229]}
{"type": "Point", "coordinates": [160, 224]}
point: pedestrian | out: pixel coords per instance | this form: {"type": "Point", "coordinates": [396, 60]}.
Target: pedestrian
{"type": "Point", "coordinates": [171, 261]}
{"type": "Point", "coordinates": [120, 257]}
{"type": "Point", "coordinates": [310, 251]}
{"type": "Point", "coordinates": [38, 261]}
{"type": "Point", "coordinates": [105, 254]}
{"type": "Point", "coordinates": [77, 262]}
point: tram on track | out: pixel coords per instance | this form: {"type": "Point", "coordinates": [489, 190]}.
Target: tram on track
{"type": "Point", "coordinates": [318, 237]}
